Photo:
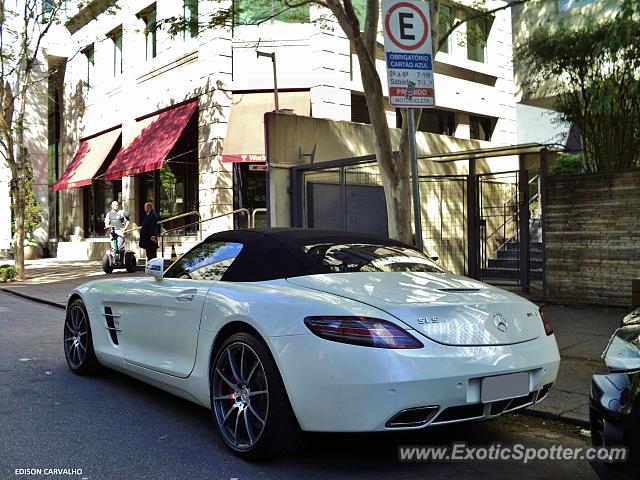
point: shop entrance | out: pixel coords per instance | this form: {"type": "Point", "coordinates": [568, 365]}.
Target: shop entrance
{"type": "Point", "coordinates": [250, 192]}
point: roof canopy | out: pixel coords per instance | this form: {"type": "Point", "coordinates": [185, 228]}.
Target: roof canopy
{"type": "Point", "coordinates": [153, 139]}
{"type": "Point", "coordinates": [245, 134]}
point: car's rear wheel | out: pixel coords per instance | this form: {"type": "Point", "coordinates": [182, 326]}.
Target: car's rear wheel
{"type": "Point", "coordinates": [250, 407]}
{"type": "Point", "coordinates": [78, 343]}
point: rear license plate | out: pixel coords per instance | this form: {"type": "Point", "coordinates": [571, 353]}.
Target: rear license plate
{"type": "Point", "coordinates": [502, 387]}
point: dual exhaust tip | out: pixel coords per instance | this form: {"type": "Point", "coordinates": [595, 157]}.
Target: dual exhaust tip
{"type": "Point", "coordinates": [420, 416]}
{"type": "Point", "coordinates": [412, 417]}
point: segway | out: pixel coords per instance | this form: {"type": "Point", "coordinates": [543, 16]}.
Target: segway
{"type": "Point", "coordinates": [111, 259]}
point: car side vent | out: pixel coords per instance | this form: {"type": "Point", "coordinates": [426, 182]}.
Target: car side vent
{"type": "Point", "coordinates": [459, 290]}
{"type": "Point", "coordinates": [111, 326]}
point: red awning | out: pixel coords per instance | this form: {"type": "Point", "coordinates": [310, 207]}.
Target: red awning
{"type": "Point", "coordinates": [87, 161]}
{"type": "Point", "coordinates": [245, 134]}
{"type": "Point", "coordinates": [154, 138]}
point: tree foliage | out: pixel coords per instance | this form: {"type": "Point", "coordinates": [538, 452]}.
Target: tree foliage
{"type": "Point", "coordinates": [567, 164]}
{"type": "Point", "coordinates": [597, 67]}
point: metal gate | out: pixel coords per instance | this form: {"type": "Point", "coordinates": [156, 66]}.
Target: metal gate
{"type": "Point", "coordinates": [499, 223]}
{"type": "Point", "coordinates": [345, 197]}
{"type": "Point", "coordinates": [477, 223]}
{"type": "Point", "coordinates": [444, 226]}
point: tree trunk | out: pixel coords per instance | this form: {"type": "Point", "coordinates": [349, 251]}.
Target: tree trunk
{"type": "Point", "coordinates": [394, 173]}
{"type": "Point", "coordinates": [398, 197]}
{"type": "Point", "coordinates": [18, 248]}
{"type": "Point", "coordinates": [18, 238]}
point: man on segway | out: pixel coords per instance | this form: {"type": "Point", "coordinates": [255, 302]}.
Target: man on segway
{"type": "Point", "coordinates": [116, 222]}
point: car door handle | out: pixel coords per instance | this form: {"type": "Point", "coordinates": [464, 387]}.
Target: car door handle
{"type": "Point", "coordinates": [186, 297]}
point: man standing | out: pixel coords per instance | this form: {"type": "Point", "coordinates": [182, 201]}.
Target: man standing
{"type": "Point", "coordinates": [116, 222]}
{"type": "Point", "coordinates": [149, 231]}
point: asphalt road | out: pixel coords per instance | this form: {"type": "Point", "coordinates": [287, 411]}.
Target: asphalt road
{"type": "Point", "coordinates": [113, 427]}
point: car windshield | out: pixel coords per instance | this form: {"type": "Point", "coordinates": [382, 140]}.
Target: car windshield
{"type": "Point", "coordinates": [207, 261]}
{"type": "Point", "coordinates": [360, 257]}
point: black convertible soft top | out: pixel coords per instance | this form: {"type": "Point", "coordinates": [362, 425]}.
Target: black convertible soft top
{"type": "Point", "coordinates": [273, 253]}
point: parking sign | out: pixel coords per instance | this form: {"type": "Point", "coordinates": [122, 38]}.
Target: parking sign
{"type": "Point", "coordinates": [408, 52]}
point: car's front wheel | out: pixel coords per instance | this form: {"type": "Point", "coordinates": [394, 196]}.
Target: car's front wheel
{"type": "Point", "coordinates": [78, 343]}
{"type": "Point", "coordinates": [250, 407]}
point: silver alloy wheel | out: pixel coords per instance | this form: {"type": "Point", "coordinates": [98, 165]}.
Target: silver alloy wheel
{"type": "Point", "coordinates": [240, 395]}
{"type": "Point", "coordinates": [75, 336]}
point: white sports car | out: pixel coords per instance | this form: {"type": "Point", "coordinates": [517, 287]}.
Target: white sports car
{"type": "Point", "coordinates": [283, 330]}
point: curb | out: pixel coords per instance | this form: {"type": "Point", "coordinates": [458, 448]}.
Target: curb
{"type": "Point", "coordinates": [33, 299]}
{"type": "Point", "coordinates": [578, 422]}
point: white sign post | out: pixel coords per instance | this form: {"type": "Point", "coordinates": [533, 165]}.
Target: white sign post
{"type": "Point", "coordinates": [409, 56]}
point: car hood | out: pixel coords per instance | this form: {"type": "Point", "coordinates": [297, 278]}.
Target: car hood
{"type": "Point", "coordinates": [446, 308]}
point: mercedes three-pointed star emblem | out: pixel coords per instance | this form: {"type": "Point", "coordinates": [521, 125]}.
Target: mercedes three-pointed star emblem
{"type": "Point", "coordinates": [500, 322]}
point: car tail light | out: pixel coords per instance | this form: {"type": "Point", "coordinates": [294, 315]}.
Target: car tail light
{"type": "Point", "coordinates": [364, 331]}
{"type": "Point", "coordinates": [548, 329]}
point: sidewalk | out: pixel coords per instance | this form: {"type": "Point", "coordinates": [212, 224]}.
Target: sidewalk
{"type": "Point", "coordinates": [581, 333]}
{"type": "Point", "coordinates": [50, 280]}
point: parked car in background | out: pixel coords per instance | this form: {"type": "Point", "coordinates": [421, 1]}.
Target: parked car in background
{"type": "Point", "coordinates": [614, 406]}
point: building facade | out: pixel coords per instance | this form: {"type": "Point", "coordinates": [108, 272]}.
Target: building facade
{"type": "Point", "coordinates": [135, 114]}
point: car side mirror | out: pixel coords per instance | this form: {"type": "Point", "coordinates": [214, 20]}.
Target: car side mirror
{"type": "Point", "coordinates": [435, 259]}
{"type": "Point", "coordinates": [155, 268]}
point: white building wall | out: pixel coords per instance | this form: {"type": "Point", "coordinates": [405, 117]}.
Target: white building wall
{"type": "Point", "coordinates": [183, 69]}
{"type": "Point", "coordinates": [316, 56]}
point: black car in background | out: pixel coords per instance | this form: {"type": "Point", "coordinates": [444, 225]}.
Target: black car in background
{"type": "Point", "coordinates": [614, 404]}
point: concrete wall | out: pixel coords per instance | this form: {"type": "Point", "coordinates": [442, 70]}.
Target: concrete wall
{"type": "Point", "coordinates": [592, 237]}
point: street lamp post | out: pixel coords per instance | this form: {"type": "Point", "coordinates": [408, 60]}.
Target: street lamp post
{"type": "Point", "coordinates": [275, 77]}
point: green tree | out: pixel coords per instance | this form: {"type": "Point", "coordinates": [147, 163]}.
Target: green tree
{"type": "Point", "coordinates": [359, 20]}
{"type": "Point", "coordinates": [32, 211]}
{"type": "Point", "coordinates": [23, 26]}
{"type": "Point", "coordinates": [596, 68]}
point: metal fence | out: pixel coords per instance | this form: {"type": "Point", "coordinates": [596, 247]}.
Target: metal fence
{"type": "Point", "coordinates": [476, 223]}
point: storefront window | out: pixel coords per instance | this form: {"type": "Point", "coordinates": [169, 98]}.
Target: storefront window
{"type": "Point", "coordinates": [178, 187]}
{"type": "Point", "coordinates": [250, 192]}
{"type": "Point", "coordinates": [97, 199]}
{"type": "Point", "coordinates": [173, 189]}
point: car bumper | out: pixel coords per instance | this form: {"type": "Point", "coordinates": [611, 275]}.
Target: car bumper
{"type": "Point", "coordinates": [345, 388]}
{"type": "Point", "coordinates": [613, 411]}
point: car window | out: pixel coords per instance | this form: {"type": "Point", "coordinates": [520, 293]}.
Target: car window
{"type": "Point", "coordinates": [207, 261]}
{"type": "Point", "coordinates": [352, 257]}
